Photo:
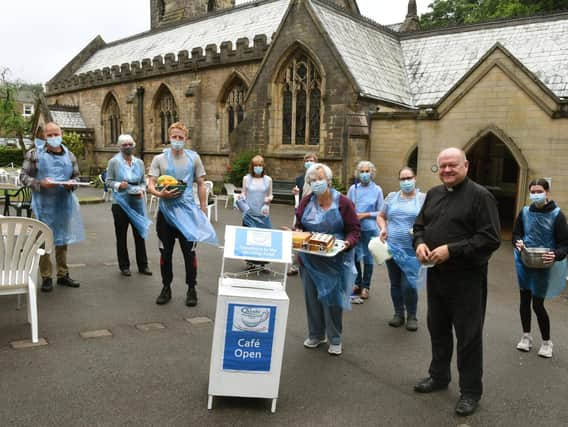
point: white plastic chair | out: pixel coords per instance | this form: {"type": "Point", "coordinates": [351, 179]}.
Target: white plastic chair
{"type": "Point", "coordinates": [211, 201]}
{"type": "Point", "coordinates": [296, 204]}
{"type": "Point", "coordinates": [107, 193]}
{"type": "Point", "coordinates": [231, 191]}
{"type": "Point", "coordinates": [153, 206]}
{"type": "Point", "coordinates": [22, 242]}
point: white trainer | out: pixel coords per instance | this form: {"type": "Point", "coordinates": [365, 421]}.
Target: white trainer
{"type": "Point", "coordinates": [314, 342]}
{"type": "Point", "coordinates": [525, 344]}
{"type": "Point", "coordinates": [334, 349]}
{"type": "Point", "coordinates": [546, 349]}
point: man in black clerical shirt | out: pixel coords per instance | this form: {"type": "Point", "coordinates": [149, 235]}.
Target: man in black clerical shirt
{"type": "Point", "coordinates": [456, 232]}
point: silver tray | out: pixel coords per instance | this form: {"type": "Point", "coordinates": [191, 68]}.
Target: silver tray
{"type": "Point", "coordinates": [338, 246]}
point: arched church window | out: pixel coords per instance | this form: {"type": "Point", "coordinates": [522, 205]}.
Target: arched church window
{"type": "Point", "coordinates": [161, 8]}
{"type": "Point", "coordinates": [301, 102]}
{"type": "Point", "coordinates": [234, 105]}
{"type": "Point", "coordinates": [111, 120]}
{"type": "Point", "coordinates": [211, 6]}
{"type": "Point", "coordinates": [166, 110]}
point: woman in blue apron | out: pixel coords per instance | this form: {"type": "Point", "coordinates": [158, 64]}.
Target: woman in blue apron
{"type": "Point", "coordinates": [396, 220]}
{"type": "Point", "coordinates": [540, 225]}
{"type": "Point", "coordinates": [368, 200]}
{"type": "Point", "coordinates": [254, 201]}
{"type": "Point", "coordinates": [327, 281]}
{"type": "Point", "coordinates": [125, 176]}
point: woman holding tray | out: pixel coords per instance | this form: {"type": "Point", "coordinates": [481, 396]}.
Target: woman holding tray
{"type": "Point", "coordinates": [327, 280]}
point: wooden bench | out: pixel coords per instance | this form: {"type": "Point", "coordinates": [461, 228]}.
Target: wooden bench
{"type": "Point", "coordinates": [282, 191]}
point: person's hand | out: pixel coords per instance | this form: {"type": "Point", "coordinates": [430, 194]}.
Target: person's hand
{"type": "Point", "coordinates": [140, 195]}
{"type": "Point", "coordinates": [123, 185]}
{"type": "Point", "coordinates": [347, 245]}
{"type": "Point", "coordinates": [267, 200]}
{"type": "Point", "coordinates": [423, 253]}
{"type": "Point", "coordinates": [548, 257]}
{"type": "Point", "coordinates": [440, 254]}
{"type": "Point", "coordinates": [383, 235]}
{"type": "Point", "coordinates": [295, 190]}
{"type": "Point", "coordinates": [47, 183]}
{"type": "Point", "coordinates": [169, 194]}
{"type": "Point", "coordinates": [519, 244]}
{"type": "Point", "coordinates": [69, 187]}
{"type": "Point", "coordinates": [363, 215]}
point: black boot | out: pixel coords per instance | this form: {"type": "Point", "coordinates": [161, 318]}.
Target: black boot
{"type": "Point", "coordinates": [191, 298]}
{"type": "Point", "coordinates": [165, 296]}
{"type": "Point", "coordinates": [47, 285]}
{"type": "Point", "coordinates": [67, 281]}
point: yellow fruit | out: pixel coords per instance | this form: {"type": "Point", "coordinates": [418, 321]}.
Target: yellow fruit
{"type": "Point", "coordinates": [166, 180]}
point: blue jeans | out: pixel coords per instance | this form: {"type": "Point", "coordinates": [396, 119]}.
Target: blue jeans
{"type": "Point", "coordinates": [322, 319]}
{"type": "Point", "coordinates": [365, 273]}
{"type": "Point", "coordinates": [403, 295]}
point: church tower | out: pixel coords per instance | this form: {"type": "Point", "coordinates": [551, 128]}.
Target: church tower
{"type": "Point", "coordinates": [164, 13]}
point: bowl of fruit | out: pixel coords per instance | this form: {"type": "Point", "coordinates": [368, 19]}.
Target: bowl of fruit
{"type": "Point", "coordinates": [170, 183]}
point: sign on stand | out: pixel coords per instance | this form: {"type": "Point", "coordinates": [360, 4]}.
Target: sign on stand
{"type": "Point", "coordinates": [250, 319]}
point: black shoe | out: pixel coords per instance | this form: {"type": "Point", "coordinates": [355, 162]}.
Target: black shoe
{"type": "Point", "coordinates": [428, 385]}
{"type": "Point", "coordinates": [47, 285]}
{"type": "Point", "coordinates": [68, 281]}
{"type": "Point", "coordinates": [165, 296]}
{"type": "Point", "coordinates": [191, 298]}
{"type": "Point", "coordinates": [145, 271]}
{"type": "Point", "coordinates": [466, 405]}
{"type": "Point", "coordinates": [125, 272]}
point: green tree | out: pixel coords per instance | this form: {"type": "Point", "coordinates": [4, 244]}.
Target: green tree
{"type": "Point", "coordinates": [12, 123]}
{"type": "Point", "coordinates": [446, 13]}
{"type": "Point", "coordinates": [239, 168]}
{"type": "Point", "coordinates": [74, 143]}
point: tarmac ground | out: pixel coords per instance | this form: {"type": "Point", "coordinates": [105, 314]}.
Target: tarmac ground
{"type": "Point", "coordinates": [144, 374]}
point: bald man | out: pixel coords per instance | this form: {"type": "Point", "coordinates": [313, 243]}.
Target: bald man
{"type": "Point", "coordinates": [52, 203]}
{"type": "Point", "coordinates": [455, 233]}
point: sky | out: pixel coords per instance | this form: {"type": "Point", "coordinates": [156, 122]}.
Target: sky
{"type": "Point", "coordinates": [39, 37]}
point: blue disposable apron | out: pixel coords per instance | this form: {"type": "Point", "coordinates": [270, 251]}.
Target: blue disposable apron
{"type": "Point", "coordinates": [334, 276]}
{"type": "Point", "coordinates": [182, 212]}
{"type": "Point", "coordinates": [57, 207]}
{"type": "Point", "coordinates": [539, 233]}
{"type": "Point", "coordinates": [404, 254]}
{"type": "Point", "coordinates": [369, 227]}
{"type": "Point", "coordinates": [253, 217]}
{"type": "Point", "coordinates": [132, 204]}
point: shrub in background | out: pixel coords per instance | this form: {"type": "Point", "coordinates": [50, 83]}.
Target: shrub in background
{"type": "Point", "coordinates": [239, 168]}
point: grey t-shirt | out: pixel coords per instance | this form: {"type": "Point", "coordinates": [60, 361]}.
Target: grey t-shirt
{"type": "Point", "coordinates": [159, 165]}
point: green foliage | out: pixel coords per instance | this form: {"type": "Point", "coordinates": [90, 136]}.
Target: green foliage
{"type": "Point", "coordinates": [11, 155]}
{"type": "Point", "coordinates": [74, 143]}
{"type": "Point", "coordinates": [238, 168]}
{"type": "Point", "coordinates": [446, 13]}
{"type": "Point", "coordinates": [338, 185]}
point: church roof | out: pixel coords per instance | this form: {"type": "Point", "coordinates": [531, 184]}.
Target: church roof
{"type": "Point", "coordinates": [245, 21]}
{"type": "Point", "coordinates": [435, 62]}
{"type": "Point", "coordinates": [372, 54]}
{"type": "Point", "coordinates": [67, 119]}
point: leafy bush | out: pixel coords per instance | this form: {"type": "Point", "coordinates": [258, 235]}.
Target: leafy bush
{"type": "Point", "coordinates": [338, 185]}
{"type": "Point", "coordinates": [238, 168]}
{"type": "Point", "coordinates": [74, 143]}
{"type": "Point", "coordinates": [10, 155]}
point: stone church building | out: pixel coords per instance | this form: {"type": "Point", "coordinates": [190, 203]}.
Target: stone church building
{"type": "Point", "coordinates": [284, 77]}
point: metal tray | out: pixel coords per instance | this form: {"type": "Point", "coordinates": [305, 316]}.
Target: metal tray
{"type": "Point", "coordinates": [338, 246]}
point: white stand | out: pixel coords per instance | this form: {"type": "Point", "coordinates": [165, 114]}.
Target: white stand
{"type": "Point", "coordinates": [250, 319]}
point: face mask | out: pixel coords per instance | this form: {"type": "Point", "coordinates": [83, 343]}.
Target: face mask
{"type": "Point", "coordinates": [39, 143]}
{"type": "Point", "coordinates": [308, 164]}
{"type": "Point", "coordinates": [55, 141]}
{"type": "Point", "coordinates": [127, 150]}
{"type": "Point", "coordinates": [538, 198]}
{"type": "Point", "coordinates": [258, 170]}
{"type": "Point", "coordinates": [407, 186]}
{"type": "Point", "coordinates": [365, 177]}
{"type": "Point", "coordinates": [318, 187]}
{"type": "Point", "coordinates": [177, 145]}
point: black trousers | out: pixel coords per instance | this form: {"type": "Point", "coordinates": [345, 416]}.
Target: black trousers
{"type": "Point", "coordinates": [121, 222]}
{"type": "Point", "coordinates": [167, 236]}
{"type": "Point", "coordinates": [457, 299]}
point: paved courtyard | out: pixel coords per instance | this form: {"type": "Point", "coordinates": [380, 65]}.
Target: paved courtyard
{"type": "Point", "coordinates": [153, 367]}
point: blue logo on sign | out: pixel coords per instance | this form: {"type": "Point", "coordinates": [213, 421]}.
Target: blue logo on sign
{"type": "Point", "coordinates": [248, 338]}
{"type": "Point", "coordinates": [257, 243]}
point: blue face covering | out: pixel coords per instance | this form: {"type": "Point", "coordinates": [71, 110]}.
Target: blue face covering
{"type": "Point", "coordinates": [365, 177]}
{"type": "Point", "coordinates": [538, 198]}
{"type": "Point", "coordinates": [177, 145]}
{"type": "Point", "coordinates": [55, 141]}
{"type": "Point", "coordinates": [407, 186]}
{"type": "Point", "coordinates": [308, 164]}
{"type": "Point", "coordinates": [258, 170]}
{"type": "Point", "coordinates": [319, 187]}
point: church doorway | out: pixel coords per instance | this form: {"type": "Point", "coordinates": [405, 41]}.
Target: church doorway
{"type": "Point", "coordinates": [493, 165]}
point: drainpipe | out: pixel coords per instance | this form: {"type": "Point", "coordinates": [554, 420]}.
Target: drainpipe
{"type": "Point", "coordinates": [140, 95]}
